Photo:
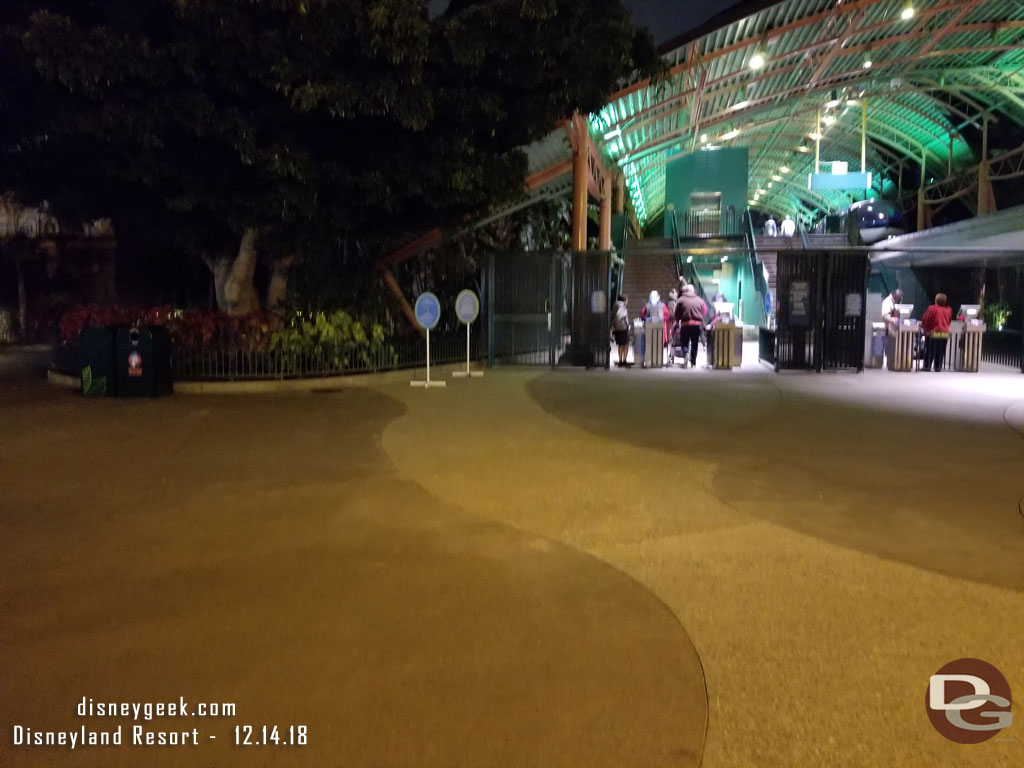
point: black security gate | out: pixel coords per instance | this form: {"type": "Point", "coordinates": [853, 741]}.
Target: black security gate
{"type": "Point", "coordinates": [821, 310]}
{"type": "Point", "coordinates": [548, 308]}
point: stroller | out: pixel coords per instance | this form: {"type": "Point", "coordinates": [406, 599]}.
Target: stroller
{"type": "Point", "coordinates": [676, 352]}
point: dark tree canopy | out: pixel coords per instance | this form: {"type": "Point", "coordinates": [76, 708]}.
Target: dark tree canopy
{"type": "Point", "coordinates": [302, 118]}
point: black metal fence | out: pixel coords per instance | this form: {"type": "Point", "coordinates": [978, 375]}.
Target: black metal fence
{"type": "Point", "coordinates": [821, 310]}
{"type": "Point", "coordinates": [227, 364]}
{"type": "Point", "coordinates": [727, 223]}
{"type": "Point", "coordinates": [1003, 348]}
{"type": "Point", "coordinates": [548, 308]}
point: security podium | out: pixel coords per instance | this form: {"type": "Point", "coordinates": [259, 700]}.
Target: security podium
{"type": "Point", "coordinates": [654, 344]}
{"type": "Point", "coordinates": [965, 334]}
{"type": "Point", "coordinates": [901, 340]}
{"type": "Point", "coordinates": [727, 338]}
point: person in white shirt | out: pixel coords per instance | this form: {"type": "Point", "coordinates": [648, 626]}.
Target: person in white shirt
{"type": "Point", "coordinates": [889, 304]}
{"type": "Point", "coordinates": [771, 229]}
{"type": "Point", "coordinates": [788, 227]}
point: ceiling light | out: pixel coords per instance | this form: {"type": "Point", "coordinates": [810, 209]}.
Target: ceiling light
{"type": "Point", "coordinates": [908, 10]}
{"type": "Point", "coordinates": [703, 138]}
{"type": "Point", "coordinates": [757, 61]}
{"type": "Point", "coordinates": [776, 178]}
{"type": "Point", "coordinates": [813, 135]}
{"type": "Point", "coordinates": [784, 169]}
{"type": "Point", "coordinates": [613, 134]}
{"type": "Point", "coordinates": [828, 119]}
{"type": "Point", "coordinates": [769, 185]}
{"type": "Point", "coordinates": [834, 100]}
{"type": "Point", "coordinates": [867, 62]}
{"type": "Point", "coordinates": [689, 259]}
{"type": "Point", "coordinates": [852, 103]}
{"type": "Point", "coordinates": [803, 148]}
{"type": "Point", "coordinates": [725, 259]}
{"type": "Point", "coordinates": [731, 134]}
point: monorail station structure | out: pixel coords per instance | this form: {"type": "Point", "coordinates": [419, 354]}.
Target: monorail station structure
{"type": "Point", "coordinates": [856, 121]}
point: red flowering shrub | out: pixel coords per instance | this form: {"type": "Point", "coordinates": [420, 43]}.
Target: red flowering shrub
{"type": "Point", "coordinates": [189, 328]}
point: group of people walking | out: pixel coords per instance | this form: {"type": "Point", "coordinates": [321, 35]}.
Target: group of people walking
{"type": "Point", "coordinates": [683, 317]}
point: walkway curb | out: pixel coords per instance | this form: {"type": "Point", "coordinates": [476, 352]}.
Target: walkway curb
{"type": "Point", "coordinates": [438, 372]}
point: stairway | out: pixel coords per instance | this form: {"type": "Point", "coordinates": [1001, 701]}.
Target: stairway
{"type": "Point", "coordinates": [646, 271]}
{"type": "Point", "coordinates": [768, 248]}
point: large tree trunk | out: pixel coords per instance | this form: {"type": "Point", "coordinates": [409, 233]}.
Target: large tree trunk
{"type": "Point", "coordinates": [277, 288]}
{"type": "Point", "coordinates": [233, 278]}
{"type": "Point", "coordinates": [240, 297]}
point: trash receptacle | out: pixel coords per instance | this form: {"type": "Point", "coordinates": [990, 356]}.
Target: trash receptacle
{"type": "Point", "coordinates": [96, 358]}
{"type": "Point", "coordinates": [143, 362]}
{"type": "Point", "coordinates": [723, 347]}
{"type": "Point", "coordinates": [654, 345]}
{"type": "Point", "coordinates": [876, 359]}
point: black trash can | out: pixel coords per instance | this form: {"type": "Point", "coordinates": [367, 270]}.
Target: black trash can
{"type": "Point", "coordinates": [143, 362]}
{"type": "Point", "coordinates": [96, 353]}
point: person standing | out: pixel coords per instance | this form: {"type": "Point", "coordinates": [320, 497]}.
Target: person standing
{"type": "Point", "coordinates": [620, 327]}
{"type": "Point", "coordinates": [935, 325]}
{"type": "Point", "coordinates": [690, 313]}
{"type": "Point", "coordinates": [889, 304]}
{"type": "Point", "coordinates": [653, 310]}
{"type": "Point", "coordinates": [788, 229]}
{"type": "Point", "coordinates": [771, 229]}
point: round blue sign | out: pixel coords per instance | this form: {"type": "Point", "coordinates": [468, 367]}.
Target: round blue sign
{"type": "Point", "coordinates": [427, 310]}
{"type": "Point", "coordinates": [768, 303]}
{"type": "Point", "coordinates": [467, 306]}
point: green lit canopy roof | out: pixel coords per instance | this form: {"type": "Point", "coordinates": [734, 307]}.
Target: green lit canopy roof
{"type": "Point", "coordinates": [921, 80]}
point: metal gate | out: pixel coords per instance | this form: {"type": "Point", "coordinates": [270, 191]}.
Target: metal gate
{"type": "Point", "coordinates": [548, 308]}
{"type": "Point", "coordinates": [797, 338]}
{"type": "Point", "coordinates": [821, 310]}
{"type": "Point", "coordinates": [844, 297]}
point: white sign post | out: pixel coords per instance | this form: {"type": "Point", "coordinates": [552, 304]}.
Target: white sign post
{"type": "Point", "coordinates": [428, 312]}
{"type": "Point", "coordinates": [467, 309]}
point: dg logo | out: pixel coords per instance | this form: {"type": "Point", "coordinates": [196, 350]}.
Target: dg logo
{"type": "Point", "coordinates": [968, 701]}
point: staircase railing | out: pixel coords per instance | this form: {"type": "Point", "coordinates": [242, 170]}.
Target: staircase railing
{"type": "Point", "coordinates": [684, 267]}
{"type": "Point", "coordinates": [709, 223]}
{"type": "Point", "coordinates": [756, 268]}
{"type": "Point", "coordinates": [617, 264]}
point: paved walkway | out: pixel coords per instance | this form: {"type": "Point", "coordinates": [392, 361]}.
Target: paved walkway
{"type": "Point", "coordinates": [519, 570]}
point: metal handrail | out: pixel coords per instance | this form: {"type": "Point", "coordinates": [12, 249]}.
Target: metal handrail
{"type": "Point", "coordinates": [756, 267]}
{"type": "Point", "coordinates": [684, 268]}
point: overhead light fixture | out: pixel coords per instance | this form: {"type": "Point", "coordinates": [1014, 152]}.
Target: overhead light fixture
{"type": "Point", "coordinates": [834, 100]}
{"type": "Point", "coordinates": [769, 185]}
{"type": "Point", "coordinates": [731, 134]}
{"type": "Point", "coordinates": [852, 102]}
{"type": "Point", "coordinates": [803, 147]}
{"type": "Point", "coordinates": [776, 178]}
{"type": "Point", "coordinates": [703, 138]}
{"type": "Point", "coordinates": [908, 10]}
{"type": "Point", "coordinates": [689, 259]}
{"type": "Point", "coordinates": [725, 259]}
{"type": "Point", "coordinates": [813, 135]}
{"type": "Point", "coordinates": [784, 169]}
{"type": "Point", "coordinates": [828, 120]}
{"type": "Point", "coordinates": [867, 61]}
{"type": "Point", "coordinates": [613, 134]}
{"type": "Point", "coordinates": [759, 57]}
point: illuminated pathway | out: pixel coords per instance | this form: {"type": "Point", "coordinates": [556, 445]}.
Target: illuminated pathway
{"type": "Point", "coordinates": [520, 570]}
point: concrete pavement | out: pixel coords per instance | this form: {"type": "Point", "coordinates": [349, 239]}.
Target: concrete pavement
{"type": "Point", "coordinates": [533, 568]}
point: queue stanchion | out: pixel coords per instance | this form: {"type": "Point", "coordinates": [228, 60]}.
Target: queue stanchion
{"type": "Point", "coordinates": [467, 309]}
{"type": "Point", "coordinates": [428, 313]}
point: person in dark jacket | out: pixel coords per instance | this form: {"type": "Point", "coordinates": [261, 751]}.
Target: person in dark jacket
{"type": "Point", "coordinates": [690, 313]}
{"type": "Point", "coordinates": [935, 325]}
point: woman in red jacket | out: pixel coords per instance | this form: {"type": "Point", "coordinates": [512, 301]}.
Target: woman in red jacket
{"type": "Point", "coordinates": [935, 325]}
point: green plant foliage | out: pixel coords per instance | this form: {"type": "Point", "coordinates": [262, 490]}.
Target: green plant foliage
{"type": "Point", "coordinates": [335, 339]}
{"type": "Point", "coordinates": [997, 314]}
